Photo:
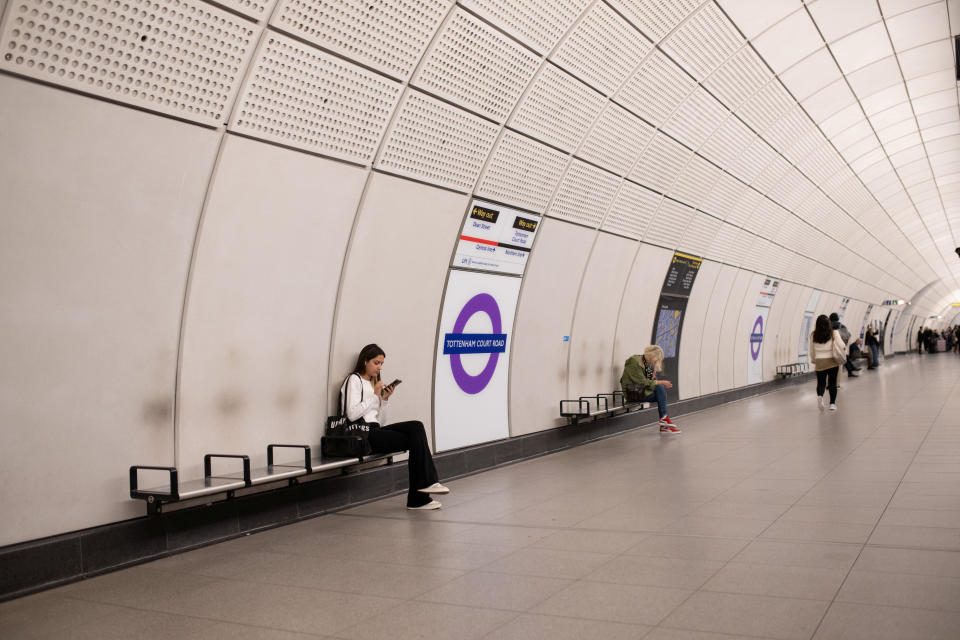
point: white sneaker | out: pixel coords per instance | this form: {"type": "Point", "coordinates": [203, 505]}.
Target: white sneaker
{"type": "Point", "coordinates": [436, 487]}
{"type": "Point", "coordinates": [430, 506]}
{"type": "Point", "coordinates": [833, 407]}
{"type": "Point", "coordinates": [820, 402]}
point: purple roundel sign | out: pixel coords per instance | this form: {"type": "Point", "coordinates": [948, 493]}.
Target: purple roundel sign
{"type": "Point", "coordinates": [756, 338]}
{"type": "Point", "coordinates": [457, 343]}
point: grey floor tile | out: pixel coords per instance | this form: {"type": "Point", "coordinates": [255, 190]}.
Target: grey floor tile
{"type": "Point", "coordinates": [941, 518]}
{"type": "Point", "coordinates": [819, 531]}
{"type": "Point", "coordinates": [276, 606]}
{"type": "Point", "coordinates": [847, 514]}
{"type": "Point", "coordinates": [549, 563]}
{"type": "Point", "coordinates": [916, 537]}
{"type": "Point", "coordinates": [427, 621]}
{"type": "Point", "coordinates": [662, 633]}
{"type": "Point", "coordinates": [502, 535]}
{"type": "Point", "coordinates": [539, 627]}
{"type": "Point", "coordinates": [788, 582]}
{"type": "Point", "coordinates": [917, 561]}
{"type": "Point", "coordinates": [614, 602]}
{"type": "Point", "coordinates": [781, 618]}
{"type": "Point", "coordinates": [651, 571]}
{"type": "Point", "coordinates": [688, 547]}
{"type": "Point", "coordinates": [48, 616]}
{"type": "Point", "coordinates": [800, 554]}
{"type": "Point", "coordinates": [851, 621]}
{"type": "Point", "coordinates": [593, 541]}
{"type": "Point", "coordinates": [902, 590]}
{"type": "Point", "coordinates": [720, 527]}
{"type": "Point", "coordinates": [136, 587]}
{"type": "Point", "coordinates": [496, 591]}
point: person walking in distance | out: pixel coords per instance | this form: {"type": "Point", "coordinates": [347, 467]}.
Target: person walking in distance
{"type": "Point", "coordinates": [825, 345]}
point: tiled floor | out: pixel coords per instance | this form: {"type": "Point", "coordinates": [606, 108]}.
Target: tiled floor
{"type": "Point", "coordinates": [765, 519]}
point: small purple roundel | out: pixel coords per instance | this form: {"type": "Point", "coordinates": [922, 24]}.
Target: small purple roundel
{"type": "Point", "coordinates": [756, 338]}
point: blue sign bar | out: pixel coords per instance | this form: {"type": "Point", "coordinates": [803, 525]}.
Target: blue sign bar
{"type": "Point", "coordinates": [474, 343]}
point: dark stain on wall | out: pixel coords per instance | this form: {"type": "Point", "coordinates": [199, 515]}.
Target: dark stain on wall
{"type": "Point", "coordinates": [158, 412]}
{"type": "Point", "coordinates": [230, 402]}
{"type": "Point", "coordinates": [287, 399]}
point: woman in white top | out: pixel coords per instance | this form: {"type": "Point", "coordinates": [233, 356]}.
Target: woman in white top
{"type": "Point", "coordinates": [367, 397]}
{"type": "Point", "coordinates": [821, 352]}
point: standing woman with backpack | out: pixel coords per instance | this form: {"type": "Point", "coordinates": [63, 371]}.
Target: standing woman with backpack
{"type": "Point", "coordinates": [366, 397]}
{"type": "Point", "coordinates": [828, 352]}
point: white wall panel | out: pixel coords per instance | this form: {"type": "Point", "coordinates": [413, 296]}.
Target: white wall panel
{"type": "Point", "coordinates": [731, 357]}
{"type": "Point", "coordinates": [592, 367]}
{"type": "Point", "coordinates": [477, 67]}
{"type": "Point", "coordinates": [691, 343]}
{"type": "Point", "coordinates": [789, 351]}
{"type": "Point", "coordinates": [538, 362]}
{"type": "Point", "coordinates": [640, 298]}
{"type": "Point", "coordinates": [710, 344]}
{"type": "Point", "coordinates": [100, 208]}
{"type": "Point", "coordinates": [389, 36]}
{"type": "Point", "coordinates": [780, 318]}
{"type": "Point", "coordinates": [415, 226]}
{"type": "Point", "coordinates": [741, 337]}
{"type": "Point", "coordinates": [184, 59]}
{"type": "Point", "coordinates": [257, 330]}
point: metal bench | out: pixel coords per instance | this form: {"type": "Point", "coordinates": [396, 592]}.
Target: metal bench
{"type": "Point", "coordinates": [793, 369]}
{"type": "Point", "coordinates": [227, 483]}
{"type": "Point", "coordinates": [599, 406]}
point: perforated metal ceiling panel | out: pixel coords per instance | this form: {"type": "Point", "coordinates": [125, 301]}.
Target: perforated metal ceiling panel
{"type": "Point", "coordinates": [727, 142]}
{"type": "Point", "coordinates": [766, 107]}
{"type": "Point", "coordinates": [656, 18]}
{"type": "Point", "coordinates": [616, 140]}
{"type": "Point", "coordinates": [477, 67]}
{"type": "Point", "coordinates": [179, 57]}
{"type": "Point", "coordinates": [585, 194]}
{"type": "Point", "coordinates": [557, 109]}
{"type": "Point", "coordinates": [656, 89]}
{"type": "Point", "coordinates": [741, 76]}
{"type": "Point", "coordinates": [435, 142]}
{"type": "Point", "coordinates": [302, 97]}
{"type": "Point", "coordinates": [661, 163]}
{"type": "Point", "coordinates": [632, 210]}
{"type": "Point", "coordinates": [753, 161]}
{"type": "Point", "coordinates": [696, 181]}
{"type": "Point", "coordinates": [703, 42]}
{"type": "Point", "coordinates": [668, 226]}
{"type": "Point", "coordinates": [700, 234]}
{"type": "Point", "coordinates": [744, 207]}
{"type": "Point", "coordinates": [258, 9]}
{"type": "Point", "coordinates": [522, 171]}
{"type": "Point", "coordinates": [724, 196]}
{"type": "Point", "coordinates": [602, 50]}
{"type": "Point", "coordinates": [389, 35]}
{"type": "Point", "coordinates": [696, 119]}
{"type": "Point", "coordinates": [538, 23]}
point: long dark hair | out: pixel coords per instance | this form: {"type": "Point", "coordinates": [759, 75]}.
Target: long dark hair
{"type": "Point", "coordinates": [823, 331]}
{"type": "Point", "coordinates": [367, 354]}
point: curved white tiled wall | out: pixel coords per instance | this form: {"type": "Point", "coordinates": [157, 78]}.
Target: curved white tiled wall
{"type": "Point", "coordinates": [351, 137]}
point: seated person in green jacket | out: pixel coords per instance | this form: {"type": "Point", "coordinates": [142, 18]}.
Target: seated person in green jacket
{"type": "Point", "coordinates": [642, 369]}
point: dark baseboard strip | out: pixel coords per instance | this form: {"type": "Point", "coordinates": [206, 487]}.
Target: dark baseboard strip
{"type": "Point", "coordinates": [36, 565]}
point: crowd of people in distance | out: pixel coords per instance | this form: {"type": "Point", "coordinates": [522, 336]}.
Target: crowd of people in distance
{"type": "Point", "coordinates": [931, 340]}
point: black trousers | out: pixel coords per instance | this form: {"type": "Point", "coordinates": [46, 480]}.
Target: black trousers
{"type": "Point", "coordinates": [828, 379]}
{"type": "Point", "coordinates": [409, 436]}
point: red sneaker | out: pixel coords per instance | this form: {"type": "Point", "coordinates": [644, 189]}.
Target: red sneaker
{"type": "Point", "coordinates": [667, 426]}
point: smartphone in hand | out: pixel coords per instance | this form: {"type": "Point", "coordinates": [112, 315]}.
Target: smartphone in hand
{"type": "Point", "coordinates": [393, 385]}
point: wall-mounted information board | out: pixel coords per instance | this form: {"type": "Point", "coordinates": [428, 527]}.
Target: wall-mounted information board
{"type": "Point", "coordinates": [495, 238]}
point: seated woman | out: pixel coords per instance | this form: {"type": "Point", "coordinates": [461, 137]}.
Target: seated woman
{"type": "Point", "coordinates": [642, 369]}
{"type": "Point", "coordinates": [367, 397]}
